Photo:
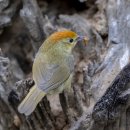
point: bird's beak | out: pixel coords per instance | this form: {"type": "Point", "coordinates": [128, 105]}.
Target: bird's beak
{"type": "Point", "coordinates": [82, 39]}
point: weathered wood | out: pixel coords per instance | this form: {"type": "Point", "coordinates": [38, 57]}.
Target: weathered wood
{"type": "Point", "coordinates": [99, 98]}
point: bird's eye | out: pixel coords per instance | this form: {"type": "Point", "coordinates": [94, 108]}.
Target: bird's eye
{"type": "Point", "coordinates": [71, 40]}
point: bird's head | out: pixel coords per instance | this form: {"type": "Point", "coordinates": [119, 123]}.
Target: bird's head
{"type": "Point", "coordinates": [65, 40]}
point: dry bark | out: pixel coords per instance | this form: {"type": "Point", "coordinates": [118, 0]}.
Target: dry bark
{"type": "Point", "coordinates": [99, 99]}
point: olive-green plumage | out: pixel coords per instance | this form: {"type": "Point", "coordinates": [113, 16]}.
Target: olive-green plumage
{"type": "Point", "coordinates": [52, 69]}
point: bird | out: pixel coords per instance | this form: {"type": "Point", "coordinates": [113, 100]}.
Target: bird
{"type": "Point", "coordinates": [52, 68]}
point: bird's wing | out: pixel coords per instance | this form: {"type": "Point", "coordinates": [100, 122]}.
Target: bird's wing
{"type": "Point", "coordinates": [48, 77]}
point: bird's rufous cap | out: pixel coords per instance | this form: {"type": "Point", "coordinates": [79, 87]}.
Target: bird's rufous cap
{"type": "Point", "coordinates": [57, 36]}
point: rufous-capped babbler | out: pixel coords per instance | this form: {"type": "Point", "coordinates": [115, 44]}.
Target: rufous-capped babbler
{"type": "Point", "coordinates": [52, 68]}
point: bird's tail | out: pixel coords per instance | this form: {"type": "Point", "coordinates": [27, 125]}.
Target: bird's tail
{"type": "Point", "coordinates": [30, 102]}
